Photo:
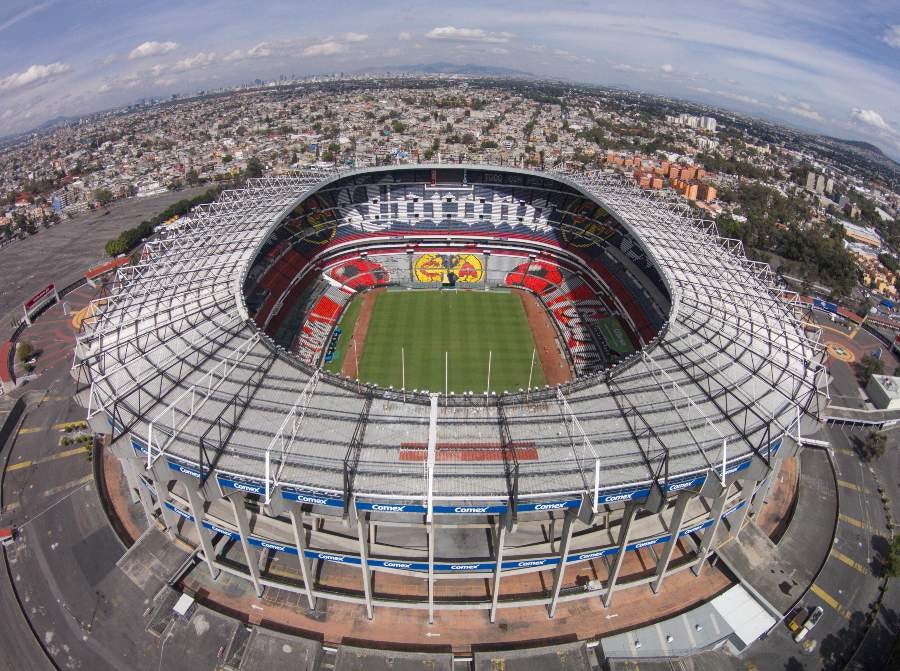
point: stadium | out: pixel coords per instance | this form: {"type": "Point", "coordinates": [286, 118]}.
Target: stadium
{"type": "Point", "coordinates": [448, 386]}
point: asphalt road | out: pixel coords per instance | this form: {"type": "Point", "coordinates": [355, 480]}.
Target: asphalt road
{"type": "Point", "coordinates": [62, 253]}
{"type": "Point", "coordinates": [84, 610]}
{"type": "Point", "coordinates": [848, 584]}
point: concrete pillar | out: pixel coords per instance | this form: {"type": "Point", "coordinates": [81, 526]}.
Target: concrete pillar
{"type": "Point", "coordinates": [662, 563]}
{"type": "Point", "coordinates": [735, 523]}
{"type": "Point", "coordinates": [138, 488]}
{"type": "Point", "coordinates": [300, 544]}
{"type": "Point", "coordinates": [564, 542]}
{"type": "Point", "coordinates": [241, 519]}
{"type": "Point", "coordinates": [499, 539]}
{"type": "Point", "coordinates": [147, 504]}
{"type": "Point", "coordinates": [710, 533]}
{"type": "Point", "coordinates": [196, 505]}
{"type": "Point", "coordinates": [169, 518]}
{"type": "Point", "coordinates": [624, 534]}
{"type": "Point", "coordinates": [760, 498]}
{"type": "Point", "coordinates": [131, 477]}
{"type": "Point", "coordinates": [361, 528]}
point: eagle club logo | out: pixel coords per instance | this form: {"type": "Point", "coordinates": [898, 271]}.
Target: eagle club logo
{"type": "Point", "coordinates": [438, 268]}
{"type": "Point", "coordinates": [317, 220]}
{"type": "Point", "coordinates": [585, 224]}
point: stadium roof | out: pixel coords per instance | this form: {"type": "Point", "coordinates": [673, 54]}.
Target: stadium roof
{"type": "Point", "coordinates": [175, 360]}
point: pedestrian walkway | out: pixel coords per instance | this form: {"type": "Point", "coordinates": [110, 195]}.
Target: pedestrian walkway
{"type": "Point", "coordinates": [781, 573]}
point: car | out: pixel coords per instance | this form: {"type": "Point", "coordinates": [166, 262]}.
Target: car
{"type": "Point", "coordinates": [796, 619]}
{"type": "Point", "coordinates": [7, 535]}
{"type": "Point", "coordinates": [807, 627]}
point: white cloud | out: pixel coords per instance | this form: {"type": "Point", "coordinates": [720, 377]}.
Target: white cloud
{"type": "Point", "coordinates": [872, 120]}
{"type": "Point", "coordinates": [627, 67]}
{"type": "Point", "coordinates": [24, 14]}
{"type": "Point", "coordinates": [404, 36]}
{"type": "Point", "coordinates": [355, 37]}
{"type": "Point", "coordinates": [261, 50]}
{"type": "Point", "coordinates": [805, 111]}
{"type": "Point", "coordinates": [151, 49]}
{"type": "Point", "coordinates": [741, 98]}
{"type": "Point", "coordinates": [666, 67]}
{"type": "Point", "coordinates": [467, 35]}
{"type": "Point", "coordinates": [328, 48]}
{"type": "Point", "coordinates": [34, 74]}
{"type": "Point", "coordinates": [198, 60]}
{"type": "Point", "coordinates": [104, 88]}
{"type": "Point", "coordinates": [892, 36]}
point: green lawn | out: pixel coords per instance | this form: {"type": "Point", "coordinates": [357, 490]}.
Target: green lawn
{"type": "Point", "coordinates": [465, 324]}
{"type": "Point", "coordinates": [348, 321]}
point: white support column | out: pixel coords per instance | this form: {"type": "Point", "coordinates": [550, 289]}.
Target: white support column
{"type": "Point", "coordinates": [624, 534]}
{"type": "Point", "coordinates": [715, 514]}
{"type": "Point", "coordinates": [431, 458]}
{"type": "Point", "coordinates": [430, 531]}
{"type": "Point", "coordinates": [243, 525]}
{"type": "Point", "coordinates": [565, 539]}
{"type": "Point", "coordinates": [196, 505]}
{"type": "Point", "coordinates": [300, 544]}
{"type": "Point", "coordinates": [361, 524]}
{"type": "Point", "coordinates": [662, 564]}
{"type": "Point", "coordinates": [499, 540]}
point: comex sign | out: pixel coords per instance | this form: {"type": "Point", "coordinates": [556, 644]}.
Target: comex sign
{"type": "Point", "coordinates": [464, 510]}
{"type": "Point", "coordinates": [396, 564]}
{"type": "Point", "coordinates": [240, 485]}
{"type": "Point", "coordinates": [315, 499]}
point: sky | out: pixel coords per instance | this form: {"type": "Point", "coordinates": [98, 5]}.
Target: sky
{"type": "Point", "coordinates": [825, 66]}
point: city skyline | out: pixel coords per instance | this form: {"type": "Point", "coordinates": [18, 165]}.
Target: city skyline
{"type": "Point", "coordinates": [823, 68]}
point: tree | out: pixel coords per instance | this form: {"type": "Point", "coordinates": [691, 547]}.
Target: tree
{"type": "Point", "coordinates": [872, 448]}
{"type": "Point", "coordinates": [892, 565]}
{"type": "Point", "coordinates": [192, 177]}
{"type": "Point", "coordinates": [24, 351]}
{"type": "Point", "coordinates": [869, 366]}
{"type": "Point", "coordinates": [254, 167]}
{"type": "Point", "coordinates": [103, 196]}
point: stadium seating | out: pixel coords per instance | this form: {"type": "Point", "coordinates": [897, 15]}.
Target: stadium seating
{"type": "Point", "coordinates": [576, 299]}
{"type": "Point", "coordinates": [319, 322]}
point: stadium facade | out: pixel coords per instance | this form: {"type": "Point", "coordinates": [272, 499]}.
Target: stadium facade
{"type": "Point", "coordinates": [205, 365]}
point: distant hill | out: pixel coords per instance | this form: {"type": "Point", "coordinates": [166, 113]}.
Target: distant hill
{"type": "Point", "coordinates": [863, 151]}
{"type": "Point", "coordinates": [865, 146]}
{"type": "Point", "coordinates": [56, 121]}
{"type": "Point", "coordinates": [452, 69]}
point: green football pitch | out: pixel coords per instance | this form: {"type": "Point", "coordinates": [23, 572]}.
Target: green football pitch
{"type": "Point", "coordinates": [418, 327]}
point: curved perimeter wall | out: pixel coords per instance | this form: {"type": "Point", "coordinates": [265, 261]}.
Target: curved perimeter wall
{"type": "Point", "coordinates": [217, 423]}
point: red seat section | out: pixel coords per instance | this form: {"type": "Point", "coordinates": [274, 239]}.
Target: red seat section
{"type": "Point", "coordinates": [459, 452]}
